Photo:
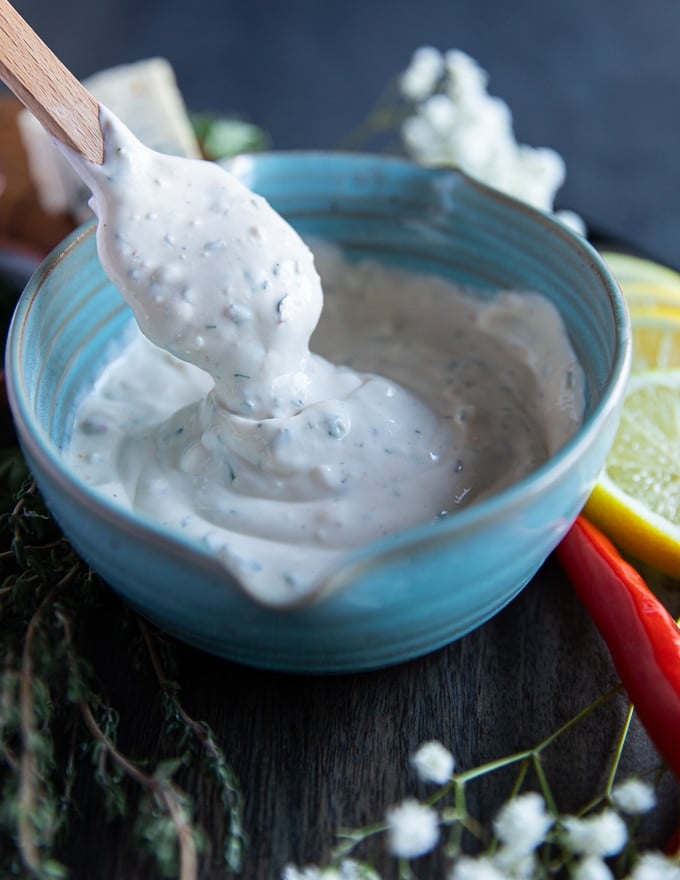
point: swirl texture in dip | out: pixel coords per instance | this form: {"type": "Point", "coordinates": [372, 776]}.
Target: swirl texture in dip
{"type": "Point", "coordinates": [220, 422]}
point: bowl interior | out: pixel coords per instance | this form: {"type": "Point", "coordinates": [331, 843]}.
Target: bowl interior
{"type": "Point", "coordinates": [445, 223]}
{"type": "Point", "coordinates": [71, 320]}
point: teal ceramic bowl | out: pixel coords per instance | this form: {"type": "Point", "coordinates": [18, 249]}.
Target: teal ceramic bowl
{"type": "Point", "coordinates": [392, 600]}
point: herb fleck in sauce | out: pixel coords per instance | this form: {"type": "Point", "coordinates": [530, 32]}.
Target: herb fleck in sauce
{"type": "Point", "coordinates": [415, 399]}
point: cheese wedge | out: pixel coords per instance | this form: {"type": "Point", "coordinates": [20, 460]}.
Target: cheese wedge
{"type": "Point", "coordinates": [145, 96]}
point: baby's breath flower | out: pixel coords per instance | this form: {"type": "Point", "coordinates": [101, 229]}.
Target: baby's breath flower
{"type": "Point", "coordinates": [309, 872]}
{"type": "Point", "coordinates": [634, 797]}
{"type": "Point", "coordinates": [592, 868]}
{"type": "Point", "coordinates": [481, 868]}
{"type": "Point", "coordinates": [572, 220]}
{"type": "Point", "coordinates": [655, 866]}
{"type": "Point", "coordinates": [433, 763]}
{"type": "Point", "coordinates": [518, 865]}
{"type": "Point", "coordinates": [351, 870]}
{"type": "Point", "coordinates": [457, 123]}
{"type": "Point", "coordinates": [523, 822]}
{"type": "Point", "coordinates": [416, 133]}
{"type": "Point", "coordinates": [440, 113]}
{"type": "Point", "coordinates": [421, 77]}
{"type": "Point", "coordinates": [538, 174]}
{"type": "Point", "coordinates": [347, 870]}
{"type": "Point", "coordinates": [602, 835]}
{"type": "Point", "coordinates": [413, 829]}
{"type": "Point", "coordinates": [464, 77]}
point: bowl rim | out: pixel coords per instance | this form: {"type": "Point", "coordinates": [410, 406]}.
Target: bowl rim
{"type": "Point", "coordinates": [500, 505]}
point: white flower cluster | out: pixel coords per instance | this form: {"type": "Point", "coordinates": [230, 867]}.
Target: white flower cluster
{"type": "Point", "coordinates": [412, 829]}
{"type": "Point", "coordinates": [433, 762]}
{"type": "Point", "coordinates": [521, 828]}
{"type": "Point", "coordinates": [456, 123]}
{"type": "Point", "coordinates": [634, 797]}
{"type": "Point", "coordinates": [348, 869]}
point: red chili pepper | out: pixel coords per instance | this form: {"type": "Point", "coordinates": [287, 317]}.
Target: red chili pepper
{"type": "Point", "coordinates": [642, 637]}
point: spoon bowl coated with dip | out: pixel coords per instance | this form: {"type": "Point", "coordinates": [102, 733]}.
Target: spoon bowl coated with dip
{"type": "Point", "coordinates": [396, 597]}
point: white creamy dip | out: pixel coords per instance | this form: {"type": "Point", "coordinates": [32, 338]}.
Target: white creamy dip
{"type": "Point", "coordinates": [224, 427]}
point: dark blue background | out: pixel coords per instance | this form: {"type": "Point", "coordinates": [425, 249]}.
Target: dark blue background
{"type": "Point", "coordinates": [595, 79]}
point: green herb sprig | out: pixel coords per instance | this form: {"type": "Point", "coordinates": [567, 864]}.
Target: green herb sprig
{"type": "Point", "coordinates": [52, 711]}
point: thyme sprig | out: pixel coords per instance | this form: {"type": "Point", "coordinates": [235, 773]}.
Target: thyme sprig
{"type": "Point", "coordinates": [53, 711]}
{"type": "Point", "coordinates": [198, 739]}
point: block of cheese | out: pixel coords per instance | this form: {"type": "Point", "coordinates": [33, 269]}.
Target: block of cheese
{"type": "Point", "coordinates": [145, 96]}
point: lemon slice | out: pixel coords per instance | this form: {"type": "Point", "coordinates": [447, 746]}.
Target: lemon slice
{"type": "Point", "coordinates": [644, 282]}
{"type": "Point", "coordinates": [637, 498]}
{"type": "Point", "coordinates": [640, 294]}
{"type": "Point", "coordinates": [656, 337]}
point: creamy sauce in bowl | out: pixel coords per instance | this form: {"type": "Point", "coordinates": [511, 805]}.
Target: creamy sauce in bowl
{"type": "Point", "coordinates": [415, 399]}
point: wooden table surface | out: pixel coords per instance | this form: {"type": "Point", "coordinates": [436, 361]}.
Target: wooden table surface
{"type": "Point", "coordinates": [315, 754]}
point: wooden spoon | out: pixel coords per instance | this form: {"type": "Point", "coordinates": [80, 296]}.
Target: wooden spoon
{"type": "Point", "coordinates": [47, 88]}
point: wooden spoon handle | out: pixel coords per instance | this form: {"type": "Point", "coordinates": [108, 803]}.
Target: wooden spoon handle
{"type": "Point", "coordinates": [47, 88]}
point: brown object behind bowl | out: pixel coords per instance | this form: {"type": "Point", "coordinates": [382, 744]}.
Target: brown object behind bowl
{"type": "Point", "coordinates": [22, 219]}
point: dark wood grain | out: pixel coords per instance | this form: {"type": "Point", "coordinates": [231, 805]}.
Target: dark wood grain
{"type": "Point", "coordinates": [317, 754]}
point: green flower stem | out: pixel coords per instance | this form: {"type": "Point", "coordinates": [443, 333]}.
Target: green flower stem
{"type": "Point", "coordinates": [527, 754]}
{"type": "Point", "coordinates": [379, 122]}
{"type": "Point", "coordinates": [619, 751]}
{"type": "Point", "coordinates": [389, 111]}
{"type": "Point", "coordinates": [544, 784]}
{"type": "Point", "coordinates": [461, 820]}
{"type": "Point", "coordinates": [521, 776]}
{"type": "Point", "coordinates": [606, 794]}
{"type": "Point", "coordinates": [351, 838]}
{"type": "Point", "coordinates": [405, 872]}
